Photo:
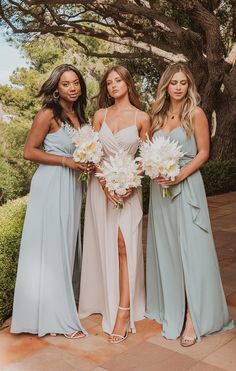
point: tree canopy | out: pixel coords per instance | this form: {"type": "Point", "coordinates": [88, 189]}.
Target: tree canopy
{"type": "Point", "coordinates": [202, 33]}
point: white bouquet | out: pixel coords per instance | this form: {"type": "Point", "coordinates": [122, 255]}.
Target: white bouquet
{"type": "Point", "coordinates": [120, 172]}
{"type": "Point", "coordinates": [88, 148]}
{"type": "Point", "coordinates": [160, 157]}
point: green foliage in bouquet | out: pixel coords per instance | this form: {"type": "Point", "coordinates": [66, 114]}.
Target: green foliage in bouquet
{"type": "Point", "coordinates": [11, 223]}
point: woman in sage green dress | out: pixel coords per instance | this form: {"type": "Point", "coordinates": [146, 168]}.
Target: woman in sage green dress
{"type": "Point", "coordinates": [184, 289]}
{"type": "Point", "coordinates": [44, 299]}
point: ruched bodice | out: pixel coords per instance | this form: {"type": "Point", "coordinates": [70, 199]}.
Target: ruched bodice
{"type": "Point", "coordinates": [189, 146]}
{"type": "Point", "coordinates": [126, 138]}
{"type": "Point", "coordinates": [59, 143]}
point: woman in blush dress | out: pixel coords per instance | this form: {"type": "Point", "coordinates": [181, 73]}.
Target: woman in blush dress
{"type": "Point", "coordinates": [112, 278]}
{"type": "Point", "coordinates": [44, 300]}
{"type": "Point", "coordinates": [184, 289]}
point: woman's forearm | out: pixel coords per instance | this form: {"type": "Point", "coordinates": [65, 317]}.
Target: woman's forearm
{"type": "Point", "coordinates": [194, 165]}
{"type": "Point", "coordinates": [41, 157]}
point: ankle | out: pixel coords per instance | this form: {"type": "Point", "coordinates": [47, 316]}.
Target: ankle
{"type": "Point", "coordinates": [123, 314]}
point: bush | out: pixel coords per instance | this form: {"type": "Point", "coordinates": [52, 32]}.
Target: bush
{"type": "Point", "coordinates": [11, 222]}
{"type": "Point", "coordinates": [15, 172]}
{"type": "Point", "coordinates": [218, 176]}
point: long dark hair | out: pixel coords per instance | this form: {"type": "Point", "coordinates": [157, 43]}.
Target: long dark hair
{"type": "Point", "coordinates": [104, 100]}
{"type": "Point", "coordinates": [51, 85]}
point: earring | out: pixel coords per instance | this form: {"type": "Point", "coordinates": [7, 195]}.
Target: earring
{"type": "Point", "coordinates": [55, 94]}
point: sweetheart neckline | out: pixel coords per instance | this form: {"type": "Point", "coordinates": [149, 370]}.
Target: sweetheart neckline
{"type": "Point", "coordinates": [114, 134]}
{"type": "Point", "coordinates": [169, 132]}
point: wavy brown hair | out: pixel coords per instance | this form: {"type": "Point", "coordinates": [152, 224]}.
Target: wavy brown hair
{"type": "Point", "coordinates": [162, 103]}
{"type": "Point", "coordinates": [104, 100]}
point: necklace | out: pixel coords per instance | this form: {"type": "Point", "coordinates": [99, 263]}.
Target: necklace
{"type": "Point", "coordinates": [173, 114]}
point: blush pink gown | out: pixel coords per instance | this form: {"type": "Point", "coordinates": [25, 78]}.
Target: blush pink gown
{"type": "Point", "coordinates": [99, 292]}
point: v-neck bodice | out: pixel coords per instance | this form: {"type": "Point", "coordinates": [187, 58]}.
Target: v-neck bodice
{"type": "Point", "coordinates": [126, 138]}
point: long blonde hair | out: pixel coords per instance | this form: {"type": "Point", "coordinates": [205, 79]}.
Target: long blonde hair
{"type": "Point", "coordinates": [162, 103]}
{"type": "Point", "coordinates": [104, 100]}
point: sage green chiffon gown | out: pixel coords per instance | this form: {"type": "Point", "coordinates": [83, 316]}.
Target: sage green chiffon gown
{"type": "Point", "coordinates": [44, 300]}
{"type": "Point", "coordinates": [181, 257]}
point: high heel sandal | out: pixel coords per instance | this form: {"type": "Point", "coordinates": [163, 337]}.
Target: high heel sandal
{"type": "Point", "coordinates": [73, 335]}
{"type": "Point", "coordinates": [188, 341]}
{"type": "Point", "coordinates": [113, 337]}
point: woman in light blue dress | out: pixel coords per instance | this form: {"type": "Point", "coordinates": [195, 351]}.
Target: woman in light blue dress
{"type": "Point", "coordinates": [184, 289]}
{"type": "Point", "coordinates": [44, 300]}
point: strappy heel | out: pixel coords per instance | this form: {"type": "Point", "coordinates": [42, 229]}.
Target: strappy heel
{"type": "Point", "coordinates": [73, 335]}
{"type": "Point", "coordinates": [185, 340]}
{"type": "Point", "coordinates": [113, 337]}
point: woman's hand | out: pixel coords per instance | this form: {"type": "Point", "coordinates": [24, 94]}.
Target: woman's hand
{"type": "Point", "coordinates": [128, 193]}
{"type": "Point", "coordinates": [168, 182]}
{"type": "Point", "coordinates": [90, 167]}
{"type": "Point", "coordinates": [112, 197]}
{"type": "Point", "coordinates": [71, 164]}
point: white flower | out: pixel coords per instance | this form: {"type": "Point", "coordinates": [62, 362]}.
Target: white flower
{"type": "Point", "coordinates": [120, 173]}
{"type": "Point", "coordinates": [88, 148]}
{"type": "Point", "coordinates": [160, 157]}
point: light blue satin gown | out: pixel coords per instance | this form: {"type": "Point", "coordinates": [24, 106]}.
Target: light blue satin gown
{"type": "Point", "coordinates": [44, 300]}
{"type": "Point", "coordinates": [181, 257]}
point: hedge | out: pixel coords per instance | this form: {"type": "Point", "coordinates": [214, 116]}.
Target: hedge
{"type": "Point", "coordinates": [11, 222]}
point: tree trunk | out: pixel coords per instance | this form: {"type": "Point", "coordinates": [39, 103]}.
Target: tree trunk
{"type": "Point", "coordinates": [224, 141]}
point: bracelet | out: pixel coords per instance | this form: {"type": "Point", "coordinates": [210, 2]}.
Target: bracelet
{"type": "Point", "coordinates": [63, 161]}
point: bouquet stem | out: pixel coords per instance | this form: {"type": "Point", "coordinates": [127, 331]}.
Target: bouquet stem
{"type": "Point", "coordinates": [166, 192]}
{"type": "Point", "coordinates": [120, 205]}
{"type": "Point", "coordinates": [84, 176]}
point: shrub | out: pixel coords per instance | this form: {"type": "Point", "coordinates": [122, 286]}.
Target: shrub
{"type": "Point", "coordinates": [15, 172]}
{"type": "Point", "coordinates": [11, 223]}
{"type": "Point", "coordinates": [219, 176]}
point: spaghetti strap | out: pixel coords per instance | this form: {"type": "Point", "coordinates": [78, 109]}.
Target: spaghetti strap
{"type": "Point", "coordinates": [104, 119]}
{"type": "Point", "coordinates": [135, 116]}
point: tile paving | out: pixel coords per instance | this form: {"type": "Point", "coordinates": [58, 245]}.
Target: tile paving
{"type": "Point", "coordinates": [146, 350]}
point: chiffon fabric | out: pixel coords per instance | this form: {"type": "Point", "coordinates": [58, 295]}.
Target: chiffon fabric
{"type": "Point", "coordinates": [44, 299]}
{"type": "Point", "coordinates": [99, 291]}
{"type": "Point", "coordinates": [181, 259]}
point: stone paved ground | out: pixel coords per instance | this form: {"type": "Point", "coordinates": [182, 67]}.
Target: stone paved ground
{"type": "Point", "coordinates": [146, 350]}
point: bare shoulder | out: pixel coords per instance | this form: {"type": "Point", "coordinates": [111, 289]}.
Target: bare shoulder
{"type": "Point", "coordinates": [199, 118]}
{"type": "Point", "coordinates": [143, 121]}
{"type": "Point", "coordinates": [198, 113]}
{"type": "Point", "coordinates": [45, 117]}
{"type": "Point", "coordinates": [98, 119]}
{"type": "Point", "coordinates": [143, 116]}
{"type": "Point", "coordinates": [43, 121]}
{"type": "Point", "coordinates": [99, 114]}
